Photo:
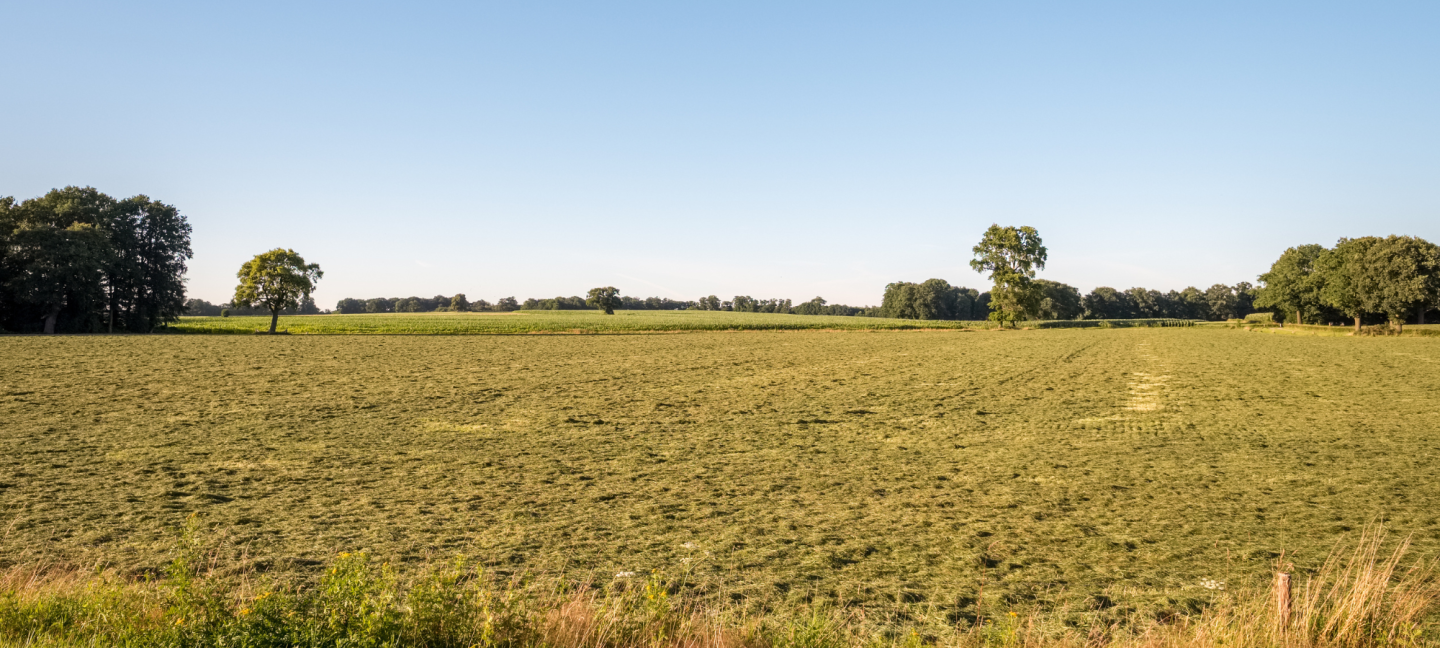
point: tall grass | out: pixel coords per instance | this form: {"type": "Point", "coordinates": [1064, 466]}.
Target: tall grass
{"type": "Point", "coordinates": [1361, 597]}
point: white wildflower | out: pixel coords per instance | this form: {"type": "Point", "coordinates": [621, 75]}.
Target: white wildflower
{"type": "Point", "coordinates": [625, 574]}
{"type": "Point", "coordinates": [688, 545]}
{"type": "Point", "coordinates": [1212, 584]}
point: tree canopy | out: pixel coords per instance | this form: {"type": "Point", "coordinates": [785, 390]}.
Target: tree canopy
{"type": "Point", "coordinates": [606, 298]}
{"type": "Point", "coordinates": [78, 260]}
{"type": "Point", "coordinates": [1294, 282]}
{"type": "Point", "coordinates": [1011, 255]}
{"type": "Point", "coordinates": [276, 280]}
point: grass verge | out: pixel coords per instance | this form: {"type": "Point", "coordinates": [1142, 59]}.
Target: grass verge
{"type": "Point", "coordinates": [1362, 596]}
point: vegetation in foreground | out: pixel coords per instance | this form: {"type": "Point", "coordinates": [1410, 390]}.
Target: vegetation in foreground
{"type": "Point", "coordinates": [1357, 598]}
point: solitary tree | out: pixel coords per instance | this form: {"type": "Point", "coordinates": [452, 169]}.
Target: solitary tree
{"type": "Point", "coordinates": [459, 303]}
{"type": "Point", "coordinates": [606, 298]}
{"type": "Point", "coordinates": [276, 280]}
{"type": "Point", "coordinates": [1011, 255]}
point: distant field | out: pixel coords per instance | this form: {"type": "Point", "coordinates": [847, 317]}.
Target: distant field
{"type": "Point", "coordinates": [1085, 472]}
{"type": "Point", "coordinates": [550, 322]}
{"type": "Point", "coordinates": [523, 322]}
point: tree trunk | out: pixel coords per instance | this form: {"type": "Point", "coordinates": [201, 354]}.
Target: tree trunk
{"type": "Point", "coordinates": [1399, 325]}
{"type": "Point", "coordinates": [1421, 320]}
{"type": "Point", "coordinates": [1298, 321]}
{"type": "Point", "coordinates": [274, 317]}
{"type": "Point", "coordinates": [50, 320]}
{"type": "Point", "coordinates": [1357, 323]}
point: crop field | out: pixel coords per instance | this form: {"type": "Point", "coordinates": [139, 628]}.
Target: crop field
{"type": "Point", "coordinates": [925, 474]}
{"type": "Point", "coordinates": [589, 321]}
{"type": "Point", "coordinates": [562, 321]}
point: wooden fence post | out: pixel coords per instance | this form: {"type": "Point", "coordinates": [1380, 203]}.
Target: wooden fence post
{"type": "Point", "coordinates": [1282, 600]}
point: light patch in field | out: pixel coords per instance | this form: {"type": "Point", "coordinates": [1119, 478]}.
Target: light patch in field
{"type": "Point", "coordinates": [1146, 392]}
{"type": "Point", "coordinates": [431, 425]}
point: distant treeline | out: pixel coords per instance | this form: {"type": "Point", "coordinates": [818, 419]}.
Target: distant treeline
{"type": "Point", "coordinates": [77, 260]}
{"type": "Point", "coordinates": [1368, 278]}
{"type": "Point", "coordinates": [936, 299]}
{"type": "Point", "coordinates": [207, 309]}
{"type": "Point", "coordinates": [459, 303]}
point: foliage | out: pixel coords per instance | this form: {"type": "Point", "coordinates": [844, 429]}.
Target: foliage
{"type": "Point", "coordinates": [934, 299]}
{"type": "Point", "coordinates": [1059, 301]}
{"type": "Point", "coordinates": [1400, 276]}
{"type": "Point", "coordinates": [1343, 270]}
{"type": "Point", "coordinates": [606, 298]}
{"type": "Point", "coordinates": [1217, 303]}
{"type": "Point", "coordinates": [125, 274]}
{"type": "Point", "coordinates": [54, 267]}
{"type": "Point", "coordinates": [1011, 255]}
{"type": "Point", "coordinates": [276, 280]}
{"type": "Point", "coordinates": [1294, 282]}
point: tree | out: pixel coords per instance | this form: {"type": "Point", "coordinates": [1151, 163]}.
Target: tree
{"type": "Point", "coordinates": [606, 298]}
{"type": "Point", "coordinates": [507, 304]}
{"type": "Point", "coordinates": [1144, 303]}
{"type": "Point", "coordinates": [1011, 255]}
{"type": "Point", "coordinates": [1060, 301]}
{"type": "Point", "coordinates": [1221, 300]}
{"type": "Point", "coordinates": [1399, 275]}
{"type": "Point", "coordinates": [143, 258]}
{"type": "Point", "coordinates": [1294, 283]}
{"type": "Point", "coordinates": [459, 303]}
{"type": "Point", "coordinates": [51, 267]}
{"type": "Point", "coordinates": [350, 305]}
{"type": "Point", "coordinates": [1106, 303]}
{"type": "Point", "coordinates": [1342, 270]}
{"type": "Point", "coordinates": [276, 280]}
{"type": "Point", "coordinates": [1244, 298]}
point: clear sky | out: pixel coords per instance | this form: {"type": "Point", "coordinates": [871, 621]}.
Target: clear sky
{"type": "Point", "coordinates": [775, 149]}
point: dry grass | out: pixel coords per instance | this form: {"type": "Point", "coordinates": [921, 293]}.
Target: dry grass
{"type": "Point", "coordinates": [1364, 596]}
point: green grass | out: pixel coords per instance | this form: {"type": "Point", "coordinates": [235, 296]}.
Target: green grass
{"type": "Point", "coordinates": [924, 477]}
{"type": "Point", "coordinates": [523, 322]}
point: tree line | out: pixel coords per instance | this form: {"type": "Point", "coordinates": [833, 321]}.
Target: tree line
{"type": "Point", "coordinates": [77, 260]}
{"type": "Point", "coordinates": [1391, 279]}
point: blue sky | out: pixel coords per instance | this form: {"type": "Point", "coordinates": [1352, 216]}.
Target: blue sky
{"type": "Point", "coordinates": [772, 149]}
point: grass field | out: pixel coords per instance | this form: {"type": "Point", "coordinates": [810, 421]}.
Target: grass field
{"type": "Point", "coordinates": [571, 321]}
{"type": "Point", "coordinates": [528, 322]}
{"type": "Point", "coordinates": [922, 474]}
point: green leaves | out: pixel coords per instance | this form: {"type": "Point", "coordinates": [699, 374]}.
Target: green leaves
{"type": "Point", "coordinates": [1011, 255]}
{"type": "Point", "coordinates": [606, 298]}
{"type": "Point", "coordinates": [140, 245]}
{"type": "Point", "coordinates": [1294, 283]}
{"type": "Point", "coordinates": [277, 280]}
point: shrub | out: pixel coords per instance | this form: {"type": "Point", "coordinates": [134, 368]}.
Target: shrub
{"type": "Point", "coordinates": [1261, 319]}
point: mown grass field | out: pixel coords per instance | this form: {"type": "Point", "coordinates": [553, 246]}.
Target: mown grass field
{"type": "Point", "coordinates": [921, 474]}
